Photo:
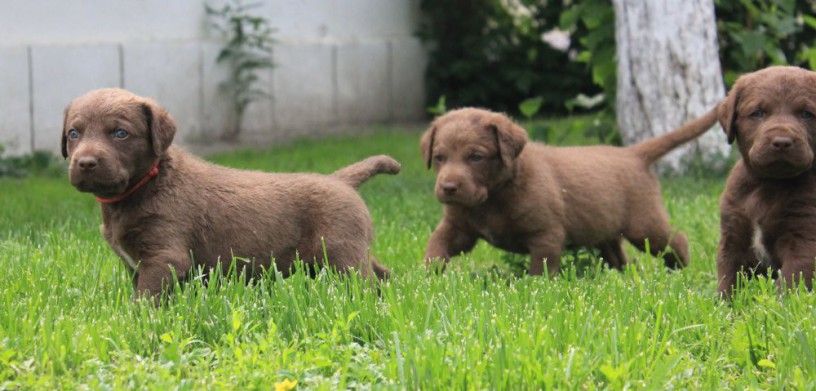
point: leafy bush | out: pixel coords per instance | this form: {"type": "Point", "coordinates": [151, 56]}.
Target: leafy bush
{"type": "Point", "coordinates": [39, 162]}
{"type": "Point", "coordinates": [754, 34]}
{"type": "Point", "coordinates": [591, 24]}
{"type": "Point", "coordinates": [490, 53]}
{"type": "Point", "coordinates": [248, 50]}
{"type": "Point", "coordinates": [593, 128]}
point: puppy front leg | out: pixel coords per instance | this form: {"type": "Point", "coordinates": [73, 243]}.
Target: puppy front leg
{"type": "Point", "coordinates": [446, 241]}
{"type": "Point", "coordinates": [155, 274]}
{"type": "Point", "coordinates": [547, 248]}
{"type": "Point", "coordinates": [794, 271]}
{"type": "Point", "coordinates": [612, 253]}
{"type": "Point", "coordinates": [798, 257]}
{"type": "Point", "coordinates": [734, 251]}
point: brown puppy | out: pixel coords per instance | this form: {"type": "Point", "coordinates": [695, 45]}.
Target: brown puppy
{"type": "Point", "coordinates": [768, 208]}
{"type": "Point", "coordinates": [164, 210]}
{"type": "Point", "coordinates": [528, 197]}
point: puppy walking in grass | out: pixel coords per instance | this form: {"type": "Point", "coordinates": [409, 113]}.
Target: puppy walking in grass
{"type": "Point", "coordinates": [530, 198]}
{"type": "Point", "coordinates": [164, 210]}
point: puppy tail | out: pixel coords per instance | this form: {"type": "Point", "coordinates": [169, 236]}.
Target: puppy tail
{"type": "Point", "coordinates": [653, 149]}
{"type": "Point", "coordinates": [357, 173]}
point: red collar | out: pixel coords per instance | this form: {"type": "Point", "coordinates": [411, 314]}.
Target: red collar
{"type": "Point", "coordinates": [150, 174]}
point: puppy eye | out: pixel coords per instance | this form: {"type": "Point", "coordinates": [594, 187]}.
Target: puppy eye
{"type": "Point", "coordinates": [806, 115]}
{"type": "Point", "coordinates": [73, 134]}
{"type": "Point", "coordinates": [120, 133]}
{"type": "Point", "coordinates": [475, 158]}
{"type": "Point", "coordinates": [439, 158]}
{"type": "Point", "coordinates": [757, 114]}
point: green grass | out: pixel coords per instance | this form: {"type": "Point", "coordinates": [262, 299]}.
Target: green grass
{"type": "Point", "coordinates": [67, 320]}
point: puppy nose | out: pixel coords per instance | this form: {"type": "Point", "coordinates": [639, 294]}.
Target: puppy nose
{"type": "Point", "coordinates": [782, 142]}
{"type": "Point", "coordinates": [449, 188]}
{"type": "Point", "coordinates": [87, 163]}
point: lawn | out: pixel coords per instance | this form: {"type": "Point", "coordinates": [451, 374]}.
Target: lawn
{"type": "Point", "coordinates": [68, 321]}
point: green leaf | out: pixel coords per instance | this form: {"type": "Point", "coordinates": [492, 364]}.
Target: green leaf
{"type": "Point", "coordinates": [568, 19]}
{"type": "Point", "coordinates": [765, 363]}
{"type": "Point", "coordinates": [611, 372]}
{"type": "Point", "coordinates": [440, 107]}
{"type": "Point", "coordinates": [530, 107]}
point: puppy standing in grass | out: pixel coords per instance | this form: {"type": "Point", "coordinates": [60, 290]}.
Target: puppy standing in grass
{"type": "Point", "coordinates": [768, 208]}
{"type": "Point", "coordinates": [164, 210]}
{"type": "Point", "coordinates": [530, 198]}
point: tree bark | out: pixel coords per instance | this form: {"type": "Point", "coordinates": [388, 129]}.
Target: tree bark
{"type": "Point", "coordinates": [668, 73]}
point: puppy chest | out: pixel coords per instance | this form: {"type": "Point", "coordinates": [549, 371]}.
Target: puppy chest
{"type": "Point", "coordinates": [128, 259]}
{"type": "Point", "coordinates": [116, 243]}
{"type": "Point", "coordinates": [758, 247]}
{"type": "Point", "coordinates": [505, 240]}
{"type": "Point", "coordinates": [501, 231]}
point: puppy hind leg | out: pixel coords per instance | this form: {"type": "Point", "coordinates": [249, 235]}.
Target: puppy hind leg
{"type": "Point", "coordinates": [380, 271]}
{"type": "Point", "coordinates": [652, 224]}
{"type": "Point", "coordinates": [657, 246]}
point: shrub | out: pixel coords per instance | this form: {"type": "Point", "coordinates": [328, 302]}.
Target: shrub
{"type": "Point", "coordinates": [490, 53]}
{"type": "Point", "coordinates": [39, 162]}
{"type": "Point", "coordinates": [247, 51]}
{"type": "Point", "coordinates": [754, 34]}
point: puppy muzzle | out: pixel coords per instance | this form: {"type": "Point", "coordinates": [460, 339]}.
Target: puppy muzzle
{"type": "Point", "coordinates": [781, 155]}
{"type": "Point", "coordinates": [456, 192]}
{"type": "Point", "coordinates": [94, 173]}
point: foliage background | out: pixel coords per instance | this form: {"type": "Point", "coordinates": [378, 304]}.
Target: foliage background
{"type": "Point", "coordinates": [489, 53]}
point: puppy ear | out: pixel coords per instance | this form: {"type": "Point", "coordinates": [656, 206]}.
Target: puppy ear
{"type": "Point", "coordinates": [510, 138]}
{"type": "Point", "coordinates": [161, 127]}
{"type": "Point", "coordinates": [727, 112]}
{"type": "Point", "coordinates": [426, 145]}
{"type": "Point", "coordinates": [64, 138]}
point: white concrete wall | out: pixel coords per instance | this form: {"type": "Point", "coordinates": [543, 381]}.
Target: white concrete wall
{"type": "Point", "coordinates": [339, 63]}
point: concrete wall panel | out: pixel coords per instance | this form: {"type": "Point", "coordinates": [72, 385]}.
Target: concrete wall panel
{"type": "Point", "coordinates": [99, 21]}
{"type": "Point", "coordinates": [363, 85]}
{"type": "Point", "coordinates": [339, 63]}
{"type": "Point", "coordinates": [217, 114]}
{"type": "Point", "coordinates": [301, 79]}
{"type": "Point", "coordinates": [408, 79]}
{"type": "Point", "coordinates": [170, 73]}
{"type": "Point", "coordinates": [62, 73]}
{"type": "Point", "coordinates": [15, 99]}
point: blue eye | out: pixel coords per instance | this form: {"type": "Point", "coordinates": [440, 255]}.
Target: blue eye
{"type": "Point", "coordinates": [120, 133]}
{"type": "Point", "coordinates": [73, 134]}
{"type": "Point", "coordinates": [476, 157]}
{"type": "Point", "coordinates": [806, 115]}
{"type": "Point", "coordinates": [757, 114]}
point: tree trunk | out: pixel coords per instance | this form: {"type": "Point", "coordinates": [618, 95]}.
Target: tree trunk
{"type": "Point", "coordinates": [668, 73]}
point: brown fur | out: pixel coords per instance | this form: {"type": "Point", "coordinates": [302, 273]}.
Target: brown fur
{"type": "Point", "coordinates": [527, 197]}
{"type": "Point", "coordinates": [768, 208]}
{"type": "Point", "coordinates": [198, 213]}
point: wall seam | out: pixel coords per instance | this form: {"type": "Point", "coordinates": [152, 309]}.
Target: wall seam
{"type": "Point", "coordinates": [31, 133]}
{"type": "Point", "coordinates": [335, 87]}
{"type": "Point", "coordinates": [120, 48]}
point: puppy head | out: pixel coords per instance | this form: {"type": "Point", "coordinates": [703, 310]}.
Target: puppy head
{"type": "Point", "coordinates": [112, 138]}
{"type": "Point", "coordinates": [472, 151]}
{"type": "Point", "coordinates": [772, 115]}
